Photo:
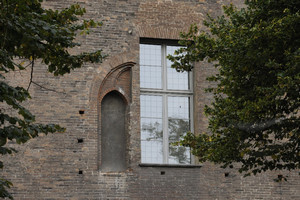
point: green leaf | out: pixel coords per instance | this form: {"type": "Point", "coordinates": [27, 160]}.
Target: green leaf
{"type": "Point", "coordinates": [254, 118]}
{"type": "Point", "coordinates": [30, 32]}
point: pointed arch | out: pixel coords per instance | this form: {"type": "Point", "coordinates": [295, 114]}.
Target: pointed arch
{"type": "Point", "coordinates": [114, 87]}
{"type": "Point", "coordinates": [119, 79]}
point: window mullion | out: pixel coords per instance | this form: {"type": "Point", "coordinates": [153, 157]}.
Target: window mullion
{"type": "Point", "coordinates": [165, 130]}
{"type": "Point", "coordinates": [164, 68]}
{"type": "Point", "coordinates": [165, 106]}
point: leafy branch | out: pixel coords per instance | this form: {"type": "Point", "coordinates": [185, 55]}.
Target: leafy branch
{"type": "Point", "coordinates": [254, 118]}
{"type": "Point", "coordinates": [29, 33]}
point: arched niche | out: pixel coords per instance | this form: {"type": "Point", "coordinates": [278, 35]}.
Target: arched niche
{"type": "Point", "coordinates": [113, 133]}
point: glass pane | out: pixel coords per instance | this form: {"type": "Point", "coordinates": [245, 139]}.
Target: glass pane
{"type": "Point", "coordinates": [151, 106]}
{"type": "Point", "coordinates": [150, 54]}
{"type": "Point", "coordinates": [178, 107]}
{"type": "Point", "coordinates": [171, 50]}
{"type": "Point", "coordinates": [150, 66]}
{"type": "Point", "coordinates": [151, 129]}
{"type": "Point", "coordinates": [176, 80]}
{"type": "Point", "coordinates": [179, 155]}
{"type": "Point", "coordinates": [151, 140]}
{"type": "Point", "coordinates": [150, 77]}
{"type": "Point", "coordinates": [178, 126]}
{"type": "Point", "coordinates": [152, 151]}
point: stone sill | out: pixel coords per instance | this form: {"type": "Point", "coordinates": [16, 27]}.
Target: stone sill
{"type": "Point", "coordinates": [169, 165]}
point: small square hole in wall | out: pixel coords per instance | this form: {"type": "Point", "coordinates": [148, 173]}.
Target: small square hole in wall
{"type": "Point", "coordinates": [162, 173]}
{"type": "Point", "coordinates": [80, 172]}
{"type": "Point", "coordinates": [80, 140]}
{"type": "Point", "coordinates": [226, 174]}
{"type": "Point", "coordinates": [81, 112]}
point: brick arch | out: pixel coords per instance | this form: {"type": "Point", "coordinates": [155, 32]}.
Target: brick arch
{"type": "Point", "coordinates": [102, 73]}
{"type": "Point", "coordinates": [117, 80]}
{"type": "Point", "coordinates": [121, 73]}
{"type": "Point", "coordinates": [168, 18]}
{"type": "Point", "coordinates": [113, 79]}
{"type": "Point", "coordinates": [114, 89]}
{"type": "Point", "coordinates": [147, 31]}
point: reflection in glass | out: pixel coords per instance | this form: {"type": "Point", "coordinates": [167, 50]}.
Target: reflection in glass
{"type": "Point", "coordinates": [178, 126]}
{"type": "Point", "coordinates": [151, 129]}
{"type": "Point", "coordinates": [178, 154]}
{"type": "Point", "coordinates": [165, 107]}
{"type": "Point", "coordinates": [176, 80]}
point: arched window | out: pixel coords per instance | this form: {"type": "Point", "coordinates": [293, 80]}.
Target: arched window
{"type": "Point", "coordinates": [113, 138]}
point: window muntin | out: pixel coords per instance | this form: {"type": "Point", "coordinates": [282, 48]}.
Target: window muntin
{"type": "Point", "coordinates": [166, 100]}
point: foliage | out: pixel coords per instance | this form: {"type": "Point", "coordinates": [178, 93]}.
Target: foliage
{"type": "Point", "coordinates": [254, 119]}
{"type": "Point", "coordinates": [29, 32]}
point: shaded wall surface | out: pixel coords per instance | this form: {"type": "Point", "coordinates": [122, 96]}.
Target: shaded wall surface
{"type": "Point", "coordinates": [68, 165]}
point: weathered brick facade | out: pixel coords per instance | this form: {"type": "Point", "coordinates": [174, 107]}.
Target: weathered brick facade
{"type": "Point", "coordinates": [66, 165]}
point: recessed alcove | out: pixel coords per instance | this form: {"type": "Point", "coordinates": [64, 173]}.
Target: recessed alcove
{"type": "Point", "coordinates": [113, 138]}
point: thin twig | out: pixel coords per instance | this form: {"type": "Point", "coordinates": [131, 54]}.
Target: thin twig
{"type": "Point", "coordinates": [21, 69]}
{"type": "Point", "coordinates": [18, 65]}
{"type": "Point", "coordinates": [31, 73]}
{"type": "Point", "coordinates": [47, 88]}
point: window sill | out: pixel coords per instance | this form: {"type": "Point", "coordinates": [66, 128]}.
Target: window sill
{"type": "Point", "coordinates": [169, 165]}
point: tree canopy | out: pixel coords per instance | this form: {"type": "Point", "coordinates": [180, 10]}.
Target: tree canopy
{"type": "Point", "coordinates": [29, 32]}
{"type": "Point", "coordinates": [254, 119]}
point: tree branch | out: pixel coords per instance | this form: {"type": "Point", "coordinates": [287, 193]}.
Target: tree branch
{"type": "Point", "coordinates": [46, 88]}
{"type": "Point", "coordinates": [31, 73]}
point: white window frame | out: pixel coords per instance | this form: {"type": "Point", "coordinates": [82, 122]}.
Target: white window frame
{"type": "Point", "coordinates": [165, 93]}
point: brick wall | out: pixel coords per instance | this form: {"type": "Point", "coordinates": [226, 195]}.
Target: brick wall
{"type": "Point", "coordinates": [57, 166]}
